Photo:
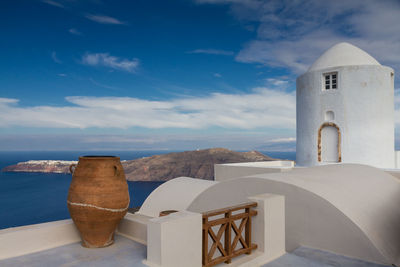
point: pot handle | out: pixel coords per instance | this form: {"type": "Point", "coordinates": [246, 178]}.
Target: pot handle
{"type": "Point", "coordinates": [72, 168]}
{"type": "Point", "coordinates": [116, 170]}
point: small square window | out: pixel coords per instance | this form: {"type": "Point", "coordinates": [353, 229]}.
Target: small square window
{"type": "Point", "coordinates": [330, 80]}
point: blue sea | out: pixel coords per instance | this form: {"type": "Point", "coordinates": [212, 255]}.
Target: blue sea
{"type": "Point", "coordinates": [30, 198]}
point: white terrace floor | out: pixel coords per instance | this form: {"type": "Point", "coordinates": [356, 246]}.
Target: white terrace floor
{"type": "Point", "coordinates": [125, 252]}
{"type": "Point", "coordinates": [308, 257]}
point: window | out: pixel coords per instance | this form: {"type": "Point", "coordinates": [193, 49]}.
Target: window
{"type": "Point", "coordinates": [331, 80]}
{"type": "Point", "coordinates": [329, 115]}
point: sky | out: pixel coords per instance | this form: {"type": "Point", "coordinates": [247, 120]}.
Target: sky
{"type": "Point", "coordinates": [172, 75]}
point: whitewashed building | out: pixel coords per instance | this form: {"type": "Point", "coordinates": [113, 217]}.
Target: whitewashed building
{"type": "Point", "coordinates": [345, 110]}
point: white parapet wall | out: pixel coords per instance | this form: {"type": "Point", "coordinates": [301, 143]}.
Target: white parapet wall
{"type": "Point", "coordinates": [134, 227]}
{"type": "Point", "coordinates": [34, 238]}
{"type": "Point", "coordinates": [268, 230]}
{"type": "Point", "coordinates": [228, 171]}
{"type": "Point", "coordinates": [18, 241]}
{"type": "Point", "coordinates": [175, 240]}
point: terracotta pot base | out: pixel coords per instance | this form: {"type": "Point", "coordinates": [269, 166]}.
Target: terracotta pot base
{"type": "Point", "coordinates": [87, 245]}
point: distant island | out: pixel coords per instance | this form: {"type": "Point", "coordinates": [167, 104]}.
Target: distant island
{"type": "Point", "coordinates": [48, 166]}
{"type": "Point", "coordinates": [197, 164]}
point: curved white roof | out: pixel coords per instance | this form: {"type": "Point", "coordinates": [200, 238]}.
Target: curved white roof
{"type": "Point", "coordinates": [349, 209]}
{"type": "Point", "coordinates": [343, 54]}
{"type": "Point", "coordinates": [176, 194]}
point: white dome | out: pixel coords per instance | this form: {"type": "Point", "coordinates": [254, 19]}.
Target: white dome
{"type": "Point", "coordinates": [343, 54]}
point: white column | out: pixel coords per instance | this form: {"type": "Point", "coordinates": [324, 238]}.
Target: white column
{"type": "Point", "coordinates": [175, 240]}
{"type": "Point", "coordinates": [268, 230]}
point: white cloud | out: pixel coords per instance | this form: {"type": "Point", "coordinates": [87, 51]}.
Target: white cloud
{"type": "Point", "coordinates": [104, 19]}
{"type": "Point", "coordinates": [292, 34]}
{"type": "Point", "coordinates": [119, 142]}
{"type": "Point", "coordinates": [300, 54]}
{"type": "Point", "coordinates": [53, 3]}
{"type": "Point", "coordinates": [276, 82]}
{"type": "Point", "coordinates": [285, 144]}
{"type": "Point", "coordinates": [211, 52]}
{"type": "Point", "coordinates": [262, 108]}
{"type": "Point", "coordinates": [74, 31]}
{"type": "Point", "coordinates": [8, 101]}
{"type": "Point", "coordinates": [106, 60]}
{"type": "Point", "coordinates": [397, 97]}
{"type": "Point", "coordinates": [282, 140]}
{"type": "Point", "coordinates": [55, 58]}
{"type": "Point", "coordinates": [397, 106]}
{"type": "Point", "coordinates": [217, 75]}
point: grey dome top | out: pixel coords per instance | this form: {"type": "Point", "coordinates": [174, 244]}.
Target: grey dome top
{"type": "Point", "coordinates": [343, 54]}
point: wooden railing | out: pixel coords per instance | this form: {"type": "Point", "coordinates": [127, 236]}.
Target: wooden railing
{"type": "Point", "coordinates": [229, 233]}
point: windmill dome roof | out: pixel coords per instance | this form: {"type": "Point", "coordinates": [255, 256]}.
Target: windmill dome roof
{"type": "Point", "coordinates": [343, 54]}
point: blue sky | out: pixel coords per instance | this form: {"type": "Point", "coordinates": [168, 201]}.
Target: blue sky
{"type": "Point", "coordinates": [174, 75]}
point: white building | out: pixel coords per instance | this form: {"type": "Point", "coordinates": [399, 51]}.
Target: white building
{"type": "Point", "coordinates": [345, 110]}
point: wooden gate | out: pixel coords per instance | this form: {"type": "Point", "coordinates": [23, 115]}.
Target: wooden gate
{"type": "Point", "coordinates": [228, 239]}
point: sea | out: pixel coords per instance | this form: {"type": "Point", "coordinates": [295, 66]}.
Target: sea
{"type": "Point", "coordinates": [31, 198]}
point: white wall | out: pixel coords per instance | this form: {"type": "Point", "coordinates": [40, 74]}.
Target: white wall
{"type": "Point", "coordinates": [344, 208]}
{"type": "Point", "coordinates": [37, 237]}
{"type": "Point", "coordinates": [363, 107]}
{"type": "Point", "coordinates": [134, 226]}
{"type": "Point", "coordinates": [175, 240]}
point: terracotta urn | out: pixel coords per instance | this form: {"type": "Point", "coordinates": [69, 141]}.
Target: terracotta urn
{"type": "Point", "coordinates": [98, 198]}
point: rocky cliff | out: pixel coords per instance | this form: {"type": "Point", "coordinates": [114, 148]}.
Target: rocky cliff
{"type": "Point", "coordinates": [197, 164]}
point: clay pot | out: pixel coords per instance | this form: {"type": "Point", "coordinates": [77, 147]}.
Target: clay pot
{"type": "Point", "coordinates": [98, 198]}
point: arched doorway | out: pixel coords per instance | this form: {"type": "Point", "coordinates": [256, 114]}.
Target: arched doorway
{"type": "Point", "coordinates": [329, 143]}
